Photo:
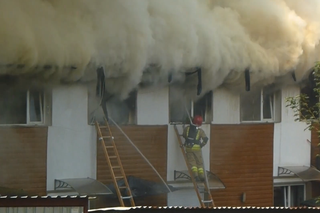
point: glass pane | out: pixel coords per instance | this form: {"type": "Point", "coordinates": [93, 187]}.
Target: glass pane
{"type": "Point", "coordinates": [251, 106]}
{"type": "Point", "coordinates": [297, 195]}
{"type": "Point", "coordinates": [35, 107]}
{"type": "Point", "coordinates": [279, 196]}
{"type": "Point", "coordinates": [267, 106]}
{"type": "Point", "coordinates": [13, 107]}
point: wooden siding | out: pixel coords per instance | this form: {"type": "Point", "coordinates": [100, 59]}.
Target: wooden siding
{"type": "Point", "coordinates": [152, 142]}
{"type": "Point", "coordinates": [242, 156]}
{"type": "Point", "coordinates": [23, 157]}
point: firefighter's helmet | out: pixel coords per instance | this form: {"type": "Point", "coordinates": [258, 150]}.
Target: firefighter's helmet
{"type": "Point", "coordinates": [197, 120]}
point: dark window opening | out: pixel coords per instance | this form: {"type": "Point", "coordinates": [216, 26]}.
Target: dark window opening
{"type": "Point", "coordinates": [267, 106]}
{"type": "Point", "coordinates": [182, 109]}
{"type": "Point", "coordinates": [251, 106]}
{"type": "Point", "coordinates": [123, 111]}
{"type": "Point", "coordinates": [203, 107]}
{"type": "Point", "coordinates": [288, 196]}
{"type": "Point", "coordinates": [13, 107]}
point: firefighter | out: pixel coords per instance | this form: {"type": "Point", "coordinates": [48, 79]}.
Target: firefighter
{"type": "Point", "coordinates": [195, 139]}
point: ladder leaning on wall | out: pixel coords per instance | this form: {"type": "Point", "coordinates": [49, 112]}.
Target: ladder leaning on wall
{"type": "Point", "coordinates": [207, 201]}
{"type": "Point", "coordinates": [114, 163]}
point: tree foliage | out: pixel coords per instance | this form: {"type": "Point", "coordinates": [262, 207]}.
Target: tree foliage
{"type": "Point", "coordinates": [303, 110]}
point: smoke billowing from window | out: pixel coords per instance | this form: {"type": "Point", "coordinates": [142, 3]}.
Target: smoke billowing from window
{"type": "Point", "coordinates": [45, 38]}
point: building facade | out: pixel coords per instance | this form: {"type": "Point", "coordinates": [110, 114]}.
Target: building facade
{"type": "Point", "coordinates": [252, 138]}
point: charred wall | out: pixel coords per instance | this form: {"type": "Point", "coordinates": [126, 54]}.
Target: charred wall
{"type": "Point", "coordinates": [242, 156]}
{"type": "Point", "coordinates": [152, 142]}
{"type": "Point", "coordinates": [23, 157]}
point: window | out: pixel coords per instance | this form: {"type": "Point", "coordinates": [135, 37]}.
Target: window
{"type": "Point", "coordinates": [181, 108]}
{"type": "Point", "coordinates": [260, 105]}
{"type": "Point", "coordinates": [289, 195]}
{"type": "Point", "coordinates": [123, 111]}
{"type": "Point", "coordinates": [21, 107]}
{"type": "Point", "coordinates": [35, 104]}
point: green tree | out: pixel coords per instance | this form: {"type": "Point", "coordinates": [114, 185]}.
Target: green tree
{"type": "Point", "coordinates": [303, 110]}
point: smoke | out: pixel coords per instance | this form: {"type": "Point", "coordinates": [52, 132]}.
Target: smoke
{"type": "Point", "coordinates": [143, 41]}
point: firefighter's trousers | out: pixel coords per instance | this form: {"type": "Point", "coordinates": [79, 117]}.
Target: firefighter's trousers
{"type": "Point", "coordinates": [194, 156]}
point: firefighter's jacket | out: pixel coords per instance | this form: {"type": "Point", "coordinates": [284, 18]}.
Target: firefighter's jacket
{"type": "Point", "coordinates": [195, 138]}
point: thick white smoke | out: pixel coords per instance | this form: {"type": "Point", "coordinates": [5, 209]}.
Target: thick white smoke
{"type": "Point", "coordinates": [223, 37]}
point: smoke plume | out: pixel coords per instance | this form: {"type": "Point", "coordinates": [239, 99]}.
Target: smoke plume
{"type": "Point", "coordinates": [143, 41]}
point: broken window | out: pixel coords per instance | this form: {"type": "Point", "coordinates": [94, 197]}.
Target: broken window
{"type": "Point", "coordinates": [123, 111]}
{"type": "Point", "coordinates": [181, 109]}
{"type": "Point", "coordinates": [260, 105]}
{"type": "Point", "coordinates": [21, 107]}
{"type": "Point", "coordinates": [203, 107]}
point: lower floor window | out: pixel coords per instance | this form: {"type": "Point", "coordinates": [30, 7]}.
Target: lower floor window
{"type": "Point", "coordinates": [289, 195]}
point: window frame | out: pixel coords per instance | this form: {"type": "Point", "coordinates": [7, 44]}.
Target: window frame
{"type": "Point", "coordinates": [43, 108]}
{"type": "Point", "coordinates": [42, 104]}
{"type": "Point", "coordinates": [288, 192]}
{"type": "Point", "coordinates": [208, 118]}
{"type": "Point", "coordinates": [273, 106]}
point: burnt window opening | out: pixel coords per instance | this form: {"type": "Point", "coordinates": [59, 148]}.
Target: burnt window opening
{"type": "Point", "coordinates": [181, 109]}
{"type": "Point", "coordinates": [203, 107]}
{"type": "Point", "coordinates": [123, 112]}
{"type": "Point", "coordinates": [260, 105]}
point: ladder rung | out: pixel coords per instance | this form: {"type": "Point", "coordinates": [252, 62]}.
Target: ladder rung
{"type": "Point", "coordinates": [119, 177]}
{"type": "Point", "coordinates": [104, 127]}
{"type": "Point", "coordinates": [116, 167]}
{"type": "Point", "coordinates": [206, 201]}
{"type": "Point", "coordinates": [109, 147]}
{"type": "Point", "coordinates": [113, 156]}
{"type": "Point", "coordinates": [128, 197]}
{"type": "Point", "coordinates": [122, 187]}
{"type": "Point", "coordinates": [106, 137]}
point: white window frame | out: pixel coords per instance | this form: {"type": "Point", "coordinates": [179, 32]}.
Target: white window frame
{"type": "Point", "coordinates": [43, 109]}
{"type": "Point", "coordinates": [42, 104]}
{"type": "Point", "coordinates": [287, 192]}
{"type": "Point", "coordinates": [271, 103]}
{"type": "Point", "coordinates": [272, 108]}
